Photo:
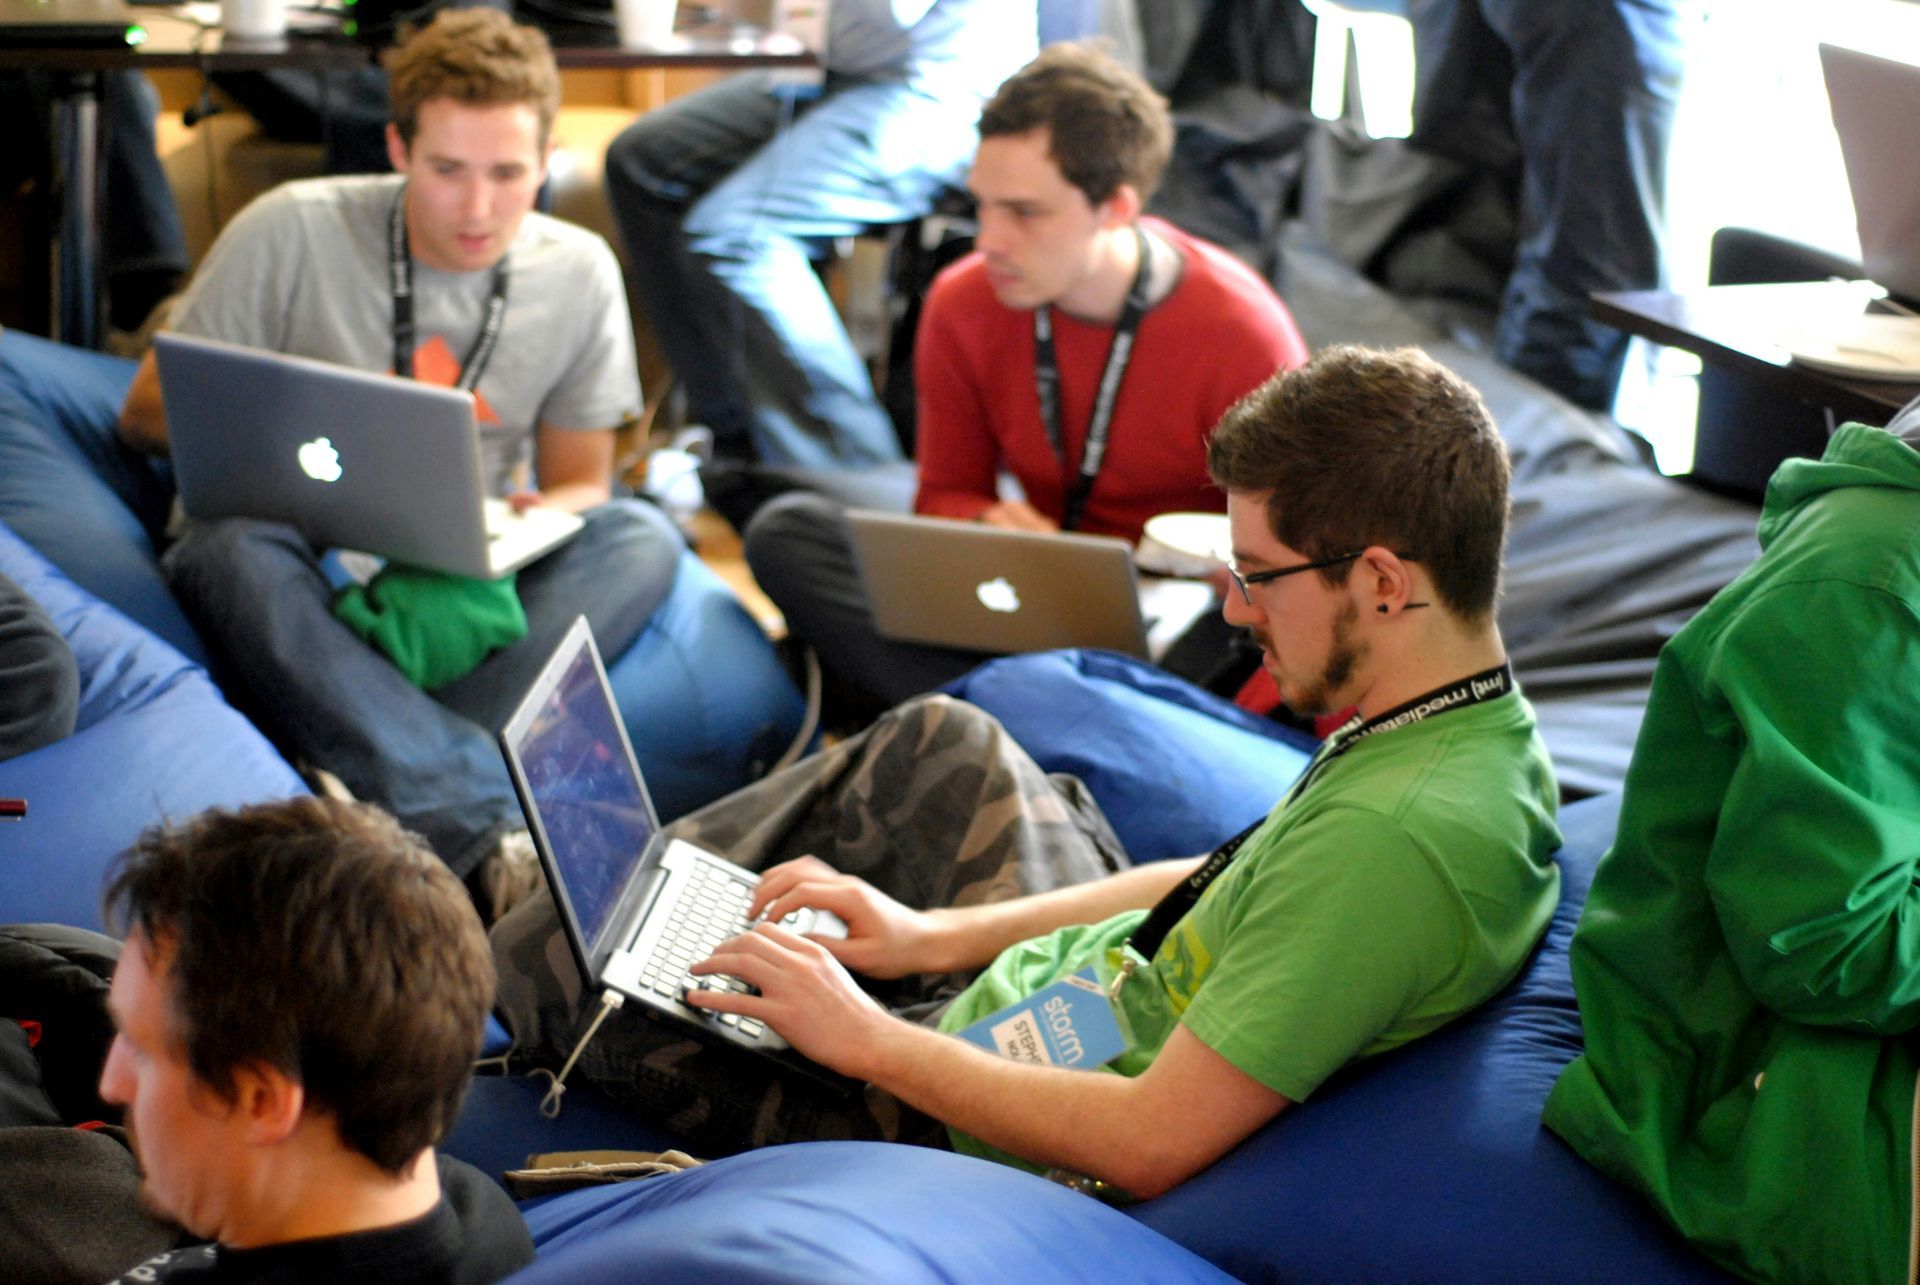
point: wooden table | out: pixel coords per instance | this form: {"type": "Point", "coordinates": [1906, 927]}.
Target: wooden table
{"type": "Point", "coordinates": [174, 41]}
{"type": "Point", "coordinates": [1746, 329]}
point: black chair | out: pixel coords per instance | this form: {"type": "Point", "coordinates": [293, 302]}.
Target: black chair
{"type": "Point", "coordinates": [1742, 431]}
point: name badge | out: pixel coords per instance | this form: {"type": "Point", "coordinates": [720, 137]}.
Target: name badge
{"type": "Point", "coordinates": [1070, 1023]}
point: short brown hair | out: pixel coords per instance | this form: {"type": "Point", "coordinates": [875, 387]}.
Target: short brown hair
{"type": "Point", "coordinates": [1364, 447]}
{"type": "Point", "coordinates": [1106, 126]}
{"type": "Point", "coordinates": [319, 938]}
{"type": "Point", "coordinates": [476, 56]}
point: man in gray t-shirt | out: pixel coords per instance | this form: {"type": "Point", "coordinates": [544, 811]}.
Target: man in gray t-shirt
{"type": "Point", "coordinates": [303, 270]}
{"type": "Point", "coordinates": [330, 269]}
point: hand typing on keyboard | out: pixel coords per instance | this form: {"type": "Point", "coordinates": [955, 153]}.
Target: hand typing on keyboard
{"type": "Point", "coordinates": [794, 985]}
{"type": "Point", "coordinates": [799, 984]}
{"type": "Point", "coordinates": [884, 939]}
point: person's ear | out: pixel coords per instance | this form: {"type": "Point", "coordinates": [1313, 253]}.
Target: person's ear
{"type": "Point", "coordinates": [396, 149]}
{"type": "Point", "coordinates": [272, 1101]}
{"type": "Point", "coordinates": [1122, 208]}
{"type": "Point", "coordinates": [1384, 580]}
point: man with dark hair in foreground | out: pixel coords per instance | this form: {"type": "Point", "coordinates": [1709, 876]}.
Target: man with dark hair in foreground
{"type": "Point", "coordinates": [297, 1010]}
{"type": "Point", "coordinates": [1401, 881]}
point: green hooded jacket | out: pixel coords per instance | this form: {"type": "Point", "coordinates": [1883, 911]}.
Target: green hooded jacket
{"type": "Point", "coordinates": [1748, 963]}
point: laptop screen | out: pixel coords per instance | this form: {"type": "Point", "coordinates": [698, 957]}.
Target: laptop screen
{"type": "Point", "coordinates": [581, 788]}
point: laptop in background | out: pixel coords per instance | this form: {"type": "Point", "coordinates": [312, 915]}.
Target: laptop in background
{"type": "Point", "coordinates": [1876, 113]}
{"type": "Point", "coordinates": [636, 909]}
{"type": "Point", "coordinates": [352, 459]}
{"type": "Point", "coordinates": [988, 589]}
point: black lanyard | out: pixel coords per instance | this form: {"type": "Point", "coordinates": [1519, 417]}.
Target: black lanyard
{"type": "Point", "coordinates": [400, 280]}
{"type": "Point", "coordinates": [1487, 685]}
{"type": "Point", "coordinates": [1046, 384]}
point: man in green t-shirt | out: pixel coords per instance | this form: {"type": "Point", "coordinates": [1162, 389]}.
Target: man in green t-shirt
{"type": "Point", "coordinates": [1401, 881]}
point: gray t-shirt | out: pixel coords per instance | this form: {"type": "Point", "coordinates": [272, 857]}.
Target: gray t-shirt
{"type": "Point", "coordinates": [303, 270]}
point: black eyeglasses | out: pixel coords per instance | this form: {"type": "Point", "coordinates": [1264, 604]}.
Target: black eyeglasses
{"type": "Point", "coordinates": [1247, 581]}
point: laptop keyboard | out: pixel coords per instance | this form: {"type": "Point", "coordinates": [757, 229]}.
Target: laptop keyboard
{"type": "Point", "coordinates": [712, 907]}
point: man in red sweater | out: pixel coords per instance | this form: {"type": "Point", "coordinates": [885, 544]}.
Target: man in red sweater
{"type": "Point", "coordinates": [1069, 291]}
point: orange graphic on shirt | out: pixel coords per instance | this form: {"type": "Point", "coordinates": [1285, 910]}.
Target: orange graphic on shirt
{"type": "Point", "coordinates": [434, 363]}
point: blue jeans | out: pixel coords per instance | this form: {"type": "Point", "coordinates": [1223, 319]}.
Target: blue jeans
{"type": "Point", "coordinates": [724, 198]}
{"type": "Point", "coordinates": [1580, 94]}
{"type": "Point", "coordinates": [260, 596]}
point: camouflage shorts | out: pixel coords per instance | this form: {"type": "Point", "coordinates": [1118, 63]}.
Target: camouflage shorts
{"type": "Point", "coordinates": [935, 805]}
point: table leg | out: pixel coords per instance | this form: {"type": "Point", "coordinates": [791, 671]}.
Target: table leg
{"type": "Point", "coordinates": [77, 179]}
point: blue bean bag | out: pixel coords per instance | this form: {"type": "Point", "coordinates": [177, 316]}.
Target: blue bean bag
{"type": "Point", "coordinates": [72, 491]}
{"type": "Point", "coordinates": [848, 1211]}
{"type": "Point", "coordinates": [1176, 769]}
{"type": "Point", "coordinates": [155, 741]}
{"type": "Point", "coordinates": [1430, 1163]}
{"type": "Point", "coordinates": [500, 1124]}
{"type": "Point", "coordinates": [707, 703]}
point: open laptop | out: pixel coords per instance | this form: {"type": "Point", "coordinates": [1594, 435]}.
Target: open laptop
{"type": "Point", "coordinates": [1876, 113]}
{"type": "Point", "coordinates": [636, 909]}
{"type": "Point", "coordinates": [988, 589]}
{"type": "Point", "coordinates": [352, 459]}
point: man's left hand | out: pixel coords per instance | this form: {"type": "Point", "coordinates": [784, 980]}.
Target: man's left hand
{"type": "Point", "coordinates": [806, 995]}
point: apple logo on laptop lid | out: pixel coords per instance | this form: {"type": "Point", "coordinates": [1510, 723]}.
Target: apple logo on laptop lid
{"type": "Point", "coordinates": [998, 594]}
{"type": "Point", "coordinates": [319, 460]}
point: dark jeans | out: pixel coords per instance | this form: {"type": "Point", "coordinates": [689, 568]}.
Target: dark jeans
{"type": "Point", "coordinates": [800, 549]}
{"type": "Point", "coordinates": [257, 591]}
{"type": "Point", "coordinates": [1580, 95]}
{"type": "Point", "coordinates": [724, 198]}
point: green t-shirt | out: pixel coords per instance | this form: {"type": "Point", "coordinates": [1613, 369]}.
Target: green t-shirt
{"type": "Point", "coordinates": [1404, 886]}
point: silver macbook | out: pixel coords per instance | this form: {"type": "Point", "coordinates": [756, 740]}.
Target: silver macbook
{"type": "Point", "coordinates": [352, 459]}
{"type": "Point", "coordinates": [636, 909]}
{"type": "Point", "coordinates": [1876, 112]}
{"type": "Point", "coordinates": [988, 589]}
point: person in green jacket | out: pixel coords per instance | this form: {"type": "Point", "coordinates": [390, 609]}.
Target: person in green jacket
{"type": "Point", "coordinates": [1748, 963]}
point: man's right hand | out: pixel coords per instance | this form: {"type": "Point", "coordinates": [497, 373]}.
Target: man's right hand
{"type": "Point", "coordinates": [1017, 515]}
{"type": "Point", "coordinates": [885, 939]}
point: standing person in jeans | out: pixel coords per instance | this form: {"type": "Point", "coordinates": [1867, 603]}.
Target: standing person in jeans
{"type": "Point", "coordinates": [310, 269]}
{"type": "Point", "coordinates": [1071, 148]}
{"type": "Point", "coordinates": [1578, 98]}
{"type": "Point", "coordinates": [726, 197]}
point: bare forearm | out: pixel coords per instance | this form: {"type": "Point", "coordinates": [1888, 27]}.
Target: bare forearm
{"type": "Point", "coordinates": [974, 935]}
{"type": "Point", "coordinates": [1083, 1121]}
{"type": "Point", "coordinates": [1144, 1133]}
{"type": "Point", "coordinates": [576, 497]}
{"type": "Point", "coordinates": [143, 416]}
{"type": "Point", "coordinates": [574, 466]}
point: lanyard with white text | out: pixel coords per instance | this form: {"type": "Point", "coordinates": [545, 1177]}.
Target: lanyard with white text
{"type": "Point", "coordinates": [1487, 685]}
{"type": "Point", "coordinates": [1046, 383]}
{"type": "Point", "coordinates": [400, 279]}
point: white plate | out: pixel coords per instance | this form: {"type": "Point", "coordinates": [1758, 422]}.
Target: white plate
{"type": "Point", "coordinates": [1185, 544]}
{"type": "Point", "coordinates": [1866, 348]}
